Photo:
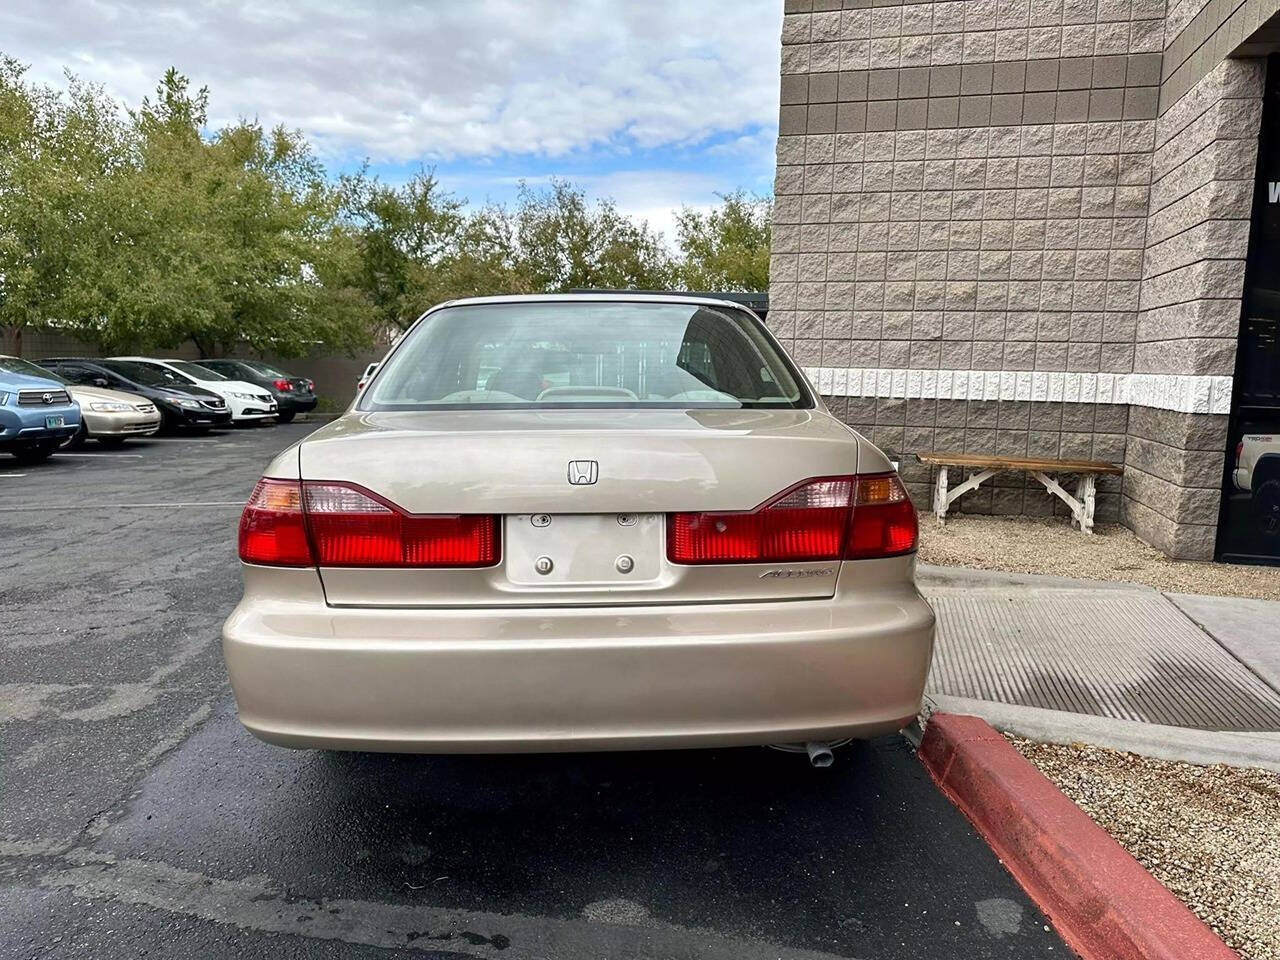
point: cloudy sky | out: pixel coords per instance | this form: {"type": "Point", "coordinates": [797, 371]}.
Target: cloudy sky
{"type": "Point", "coordinates": [656, 103]}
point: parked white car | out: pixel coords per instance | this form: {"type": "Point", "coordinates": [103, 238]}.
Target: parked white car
{"type": "Point", "coordinates": [247, 402]}
{"type": "Point", "coordinates": [1257, 469]}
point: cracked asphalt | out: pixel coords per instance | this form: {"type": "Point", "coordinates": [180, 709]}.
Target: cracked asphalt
{"type": "Point", "coordinates": [137, 818]}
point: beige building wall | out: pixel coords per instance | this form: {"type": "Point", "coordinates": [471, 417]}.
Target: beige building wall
{"type": "Point", "coordinates": [1019, 228]}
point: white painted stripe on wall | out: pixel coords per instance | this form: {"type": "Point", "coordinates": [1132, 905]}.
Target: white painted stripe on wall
{"type": "Point", "coordinates": [1182, 393]}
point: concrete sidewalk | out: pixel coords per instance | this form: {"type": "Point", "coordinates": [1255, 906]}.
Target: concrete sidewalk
{"type": "Point", "coordinates": [1175, 676]}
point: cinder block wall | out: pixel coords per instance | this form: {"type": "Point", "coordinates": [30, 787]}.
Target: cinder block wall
{"type": "Point", "coordinates": [1189, 317]}
{"type": "Point", "coordinates": [962, 193]}
{"type": "Point", "coordinates": [1019, 227]}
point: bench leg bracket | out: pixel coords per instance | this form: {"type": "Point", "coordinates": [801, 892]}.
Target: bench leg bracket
{"type": "Point", "coordinates": [1082, 504]}
{"type": "Point", "coordinates": [942, 498]}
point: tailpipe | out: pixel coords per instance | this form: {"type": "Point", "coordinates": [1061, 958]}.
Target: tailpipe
{"type": "Point", "coordinates": [819, 752]}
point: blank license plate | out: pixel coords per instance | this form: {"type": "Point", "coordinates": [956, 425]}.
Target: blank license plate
{"type": "Point", "coordinates": [51, 422]}
{"type": "Point", "coordinates": [566, 548]}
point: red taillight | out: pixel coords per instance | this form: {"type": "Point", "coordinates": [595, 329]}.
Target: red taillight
{"type": "Point", "coordinates": [884, 520]}
{"type": "Point", "coordinates": [1239, 451]}
{"type": "Point", "coordinates": [823, 519]}
{"type": "Point", "coordinates": [806, 522]}
{"type": "Point", "coordinates": [340, 525]}
{"type": "Point", "coordinates": [272, 528]}
{"type": "Point", "coordinates": [284, 386]}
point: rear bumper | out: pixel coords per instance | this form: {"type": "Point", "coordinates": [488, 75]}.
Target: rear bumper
{"type": "Point", "coordinates": [297, 404]}
{"type": "Point", "coordinates": [573, 678]}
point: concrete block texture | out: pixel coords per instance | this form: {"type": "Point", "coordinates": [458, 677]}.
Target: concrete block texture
{"type": "Point", "coordinates": [1059, 187]}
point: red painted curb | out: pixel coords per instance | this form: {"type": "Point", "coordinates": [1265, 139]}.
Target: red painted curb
{"type": "Point", "coordinates": [1102, 902]}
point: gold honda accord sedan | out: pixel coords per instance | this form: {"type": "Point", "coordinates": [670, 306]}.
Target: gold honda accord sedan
{"type": "Point", "coordinates": [579, 522]}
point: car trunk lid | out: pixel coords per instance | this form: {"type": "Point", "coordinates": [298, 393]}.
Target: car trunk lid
{"type": "Point", "coordinates": [587, 490]}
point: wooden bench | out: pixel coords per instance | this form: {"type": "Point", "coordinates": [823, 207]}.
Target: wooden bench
{"type": "Point", "coordinates": [982, 468]}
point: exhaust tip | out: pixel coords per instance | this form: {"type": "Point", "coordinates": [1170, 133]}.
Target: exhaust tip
{"type": "Point", "coordinates": [820, 754]}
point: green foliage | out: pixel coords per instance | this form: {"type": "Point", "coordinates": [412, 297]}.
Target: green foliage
{"type": "Point", "coordinates": [141, 229]}
{"type": "Point", "coordinates": [727, 248]}
{"type": "Point", "coordinates": [61, 160]}
{"type": "Point", "coordinates": [137, 231]}
{"type": "Point", "coordinates": [562, 242]}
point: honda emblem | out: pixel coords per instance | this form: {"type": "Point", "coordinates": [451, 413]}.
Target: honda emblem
{"type": "Point", "coordinates": [583, 472]}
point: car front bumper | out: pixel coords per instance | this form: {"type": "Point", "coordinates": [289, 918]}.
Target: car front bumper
{"type": "Point", "coordinates": [128, 424]}
{"type": "Point", "coordinates": [514, 679]}
{"type": "Point", "coordinates": [27, 426]}
{"type": "Point", "coordinates": [248, 410]}
{"type": "Point", "coordinates": [199, 417]}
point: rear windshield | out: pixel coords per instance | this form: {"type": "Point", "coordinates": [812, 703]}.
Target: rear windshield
{"type": "Point", "coordinates": [585, 354]}
{"type": "Point", "coordinates": [199, 371]}
{"type": "Point", "coordinates": [145, 373]}
{"type": "Point", "coordinates": [264, 369]}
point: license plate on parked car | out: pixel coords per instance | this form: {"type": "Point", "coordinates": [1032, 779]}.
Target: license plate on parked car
{"type": "Point", "coordinates": [544, 548]}
{"type": "Point", "coordinates": [51, 422]}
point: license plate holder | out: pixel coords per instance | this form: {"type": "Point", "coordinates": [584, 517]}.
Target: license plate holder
{"type": "Point", "coordinates": [583, 549]}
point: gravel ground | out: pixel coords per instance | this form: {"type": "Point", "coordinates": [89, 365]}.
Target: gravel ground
{"type": "Point", "coordinates": [1209, 834]}
{"type": "Point", "coordinates": [1050, 546]}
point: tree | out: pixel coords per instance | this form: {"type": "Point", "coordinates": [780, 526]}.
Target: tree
{"type": "Point", "coordinates": [727, 248]}
{"type": "Point", "coordinates": [403, 236]}
{"type": "Point", "coordinates": [562, 242]}
{"type": "Point", "coordinates": [61, 157]}
{"type": "Point", "coordinates": [137, 231]}
{"type": "Point", "coordinates": [140, 229]}
{"type": "Point", "coordinates": [235, 239]}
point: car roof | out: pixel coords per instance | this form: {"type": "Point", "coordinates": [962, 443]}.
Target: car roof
{"type": "Point", "coordinates": [637, 296]}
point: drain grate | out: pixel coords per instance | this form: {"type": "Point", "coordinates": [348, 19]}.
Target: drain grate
{"type": "Point", "coordinates": [1128, 655]}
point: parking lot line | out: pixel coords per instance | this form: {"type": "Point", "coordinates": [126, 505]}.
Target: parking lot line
{"type": "Point", "coordinates": [180, 439]}
{"type": "Point", "coordinates": [113, 456]}
{"type": "Point", "coordinates": [2, 475]}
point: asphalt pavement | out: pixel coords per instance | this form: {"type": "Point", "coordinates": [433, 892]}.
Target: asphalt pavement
{"type": "Point", "coordinates": [137, 818]}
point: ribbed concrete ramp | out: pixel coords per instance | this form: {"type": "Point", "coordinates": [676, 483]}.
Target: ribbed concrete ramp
{"type": "Point", "coordinates": [1128, 654]}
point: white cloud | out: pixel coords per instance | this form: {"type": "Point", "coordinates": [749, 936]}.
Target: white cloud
{"type": "Point", "coordinates": [434, 80]}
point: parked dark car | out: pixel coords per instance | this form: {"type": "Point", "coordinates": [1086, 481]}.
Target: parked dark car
{"type": "Point", "coordinates": [294, 395]}
{"type": "Point", "coordinates": [180, 406]}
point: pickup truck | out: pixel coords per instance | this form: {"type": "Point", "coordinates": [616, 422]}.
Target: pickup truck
{"type": "Point", "coordinates": [37, 415]}
{"type": "Point", "coordinates": [1257, 471]}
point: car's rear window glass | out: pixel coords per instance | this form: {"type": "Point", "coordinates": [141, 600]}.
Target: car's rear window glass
{"type": "Point", "coordinates": [265, 369]}
{"type": "Point", "coordinates": [199, 371]}
{"type": "Point", "coordinates": [586, 354]}
{"type": "Point", "coordinates": [145, 373]}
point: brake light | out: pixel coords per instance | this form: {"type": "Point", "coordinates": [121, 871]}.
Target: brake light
{"type": "Point", "coordinates": [272, 528]}
{"type": "Point", "coordinates": [287, 523]}
{"type": "Point", "coordinates": [806, 522]}
{"type": "Point", "coordinates": [284, 386]}
{"type": "Point", "coordinates": [884, 522]}
{"type": "Point", "coordinates": [1239, 451]}
{"type": "Point", "coordinates": [821, 519]}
